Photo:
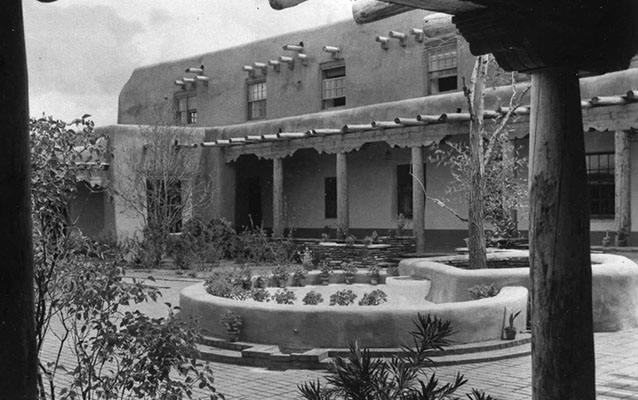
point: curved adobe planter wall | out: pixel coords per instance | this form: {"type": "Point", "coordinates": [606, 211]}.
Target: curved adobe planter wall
{"type": "Point", "coordinates": [303, 327]}
{"type": "Point", "coordinates": [614, 285]}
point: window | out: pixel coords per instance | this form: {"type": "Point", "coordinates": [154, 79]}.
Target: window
{"type": "Point", "coordinates": [164, 204]}
{"type": "Point", "coordinates": [257, 100]}
{"type": "Point", "coordinates": [330, 197]}
{"type": "Point", "coordinates": [442, 68]}
{"type": "Point", "coordinates": [333, 87]}
{"type": "Point", "coordinates": [187, 109]}
{"type": "Point", "coordinates": [601, 182]}
{"type": "Point", "coordinates": [404, 190]}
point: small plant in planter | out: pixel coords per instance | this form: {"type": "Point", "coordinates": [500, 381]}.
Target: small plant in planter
{"type": "Point", "coordinates": [326, 270]}
{"type": "Point", "coordinates": [284, 296]}
{"type": "Point", "coordinates": [245, 275]}
{"type": "Point", "coordinates": [373, 298]}
{"type": "Point", "coordinates": [342, 298]}
{"type": "Point", "coordinates": [483, 291]}
{"type": "Point", "coordinates": [312, 298]}
{"type": "Point", "coordinates": [393, 271]}
{"type": "Point", "coordinates": [259, 294]}
{"type": "Point", "coordinates": [368, 241]}
{"type": "Point", "coordinates": [510, 329]}
{"type": "Point", "coordinates": [348, 272]}
{"type": "Point", "coordinates": [306, 259]}
{"type": "Point", "coordinates": [375, 274]}
{"type": "Point", "coordinates": [299, 277]}
{"type": "Point", "coordinates": [350, 239]}
{"type": "Point", "coordinates": [401, 222]}
{"type": "Point", "coordinates": [280, 275]}
{"type": "Point", "coordinates": [233, 322]}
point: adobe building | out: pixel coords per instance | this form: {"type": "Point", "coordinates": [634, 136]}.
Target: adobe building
{"type": "Point", "coordinates": [313, 131]}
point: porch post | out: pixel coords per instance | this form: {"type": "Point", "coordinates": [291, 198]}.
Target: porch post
{"type": "Point", "coordinates": [18, 353]}
{"type": "Point", "coordinates": [623, 187]}
{"type": "Point", "coordinates": [418, 198]}
{"type": "Point", "coordinates": [343, 212]}
{"type": "Point", "coordinates": [562, 328]}
{"type": "Point", "coordinates": [278, 197]}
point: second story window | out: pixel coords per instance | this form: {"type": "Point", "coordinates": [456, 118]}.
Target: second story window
{"type": "Point", "coordinates": [442, 68]}
{"type": "Point", "coordinates": [257, 100]}
{"type": "Point", "coordinates": [333, 86]}
{"type": "Point", "coordinates": [187, 109]}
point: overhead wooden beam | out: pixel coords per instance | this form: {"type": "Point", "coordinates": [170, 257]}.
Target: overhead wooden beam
{"type": "Point", "coordinates": [281, 4]}
{"type": "Point", "coordinates": [366, 11]}
{"type": "Point", "coordinates": [443, 6]}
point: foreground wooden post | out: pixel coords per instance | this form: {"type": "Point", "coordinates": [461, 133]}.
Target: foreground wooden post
{"type": "Point", "coordinates": [418, 198]}
{"type": "Point", "coordinates": [343, 205]}
{"type": "Point", "coordinates": [623, 188]}
{"type": "Point", "coordinates": [278, 197]}
{"type": "Point", "coordinates": [562, 340]}
{"type": "Point", "coordinates": [18, 356]}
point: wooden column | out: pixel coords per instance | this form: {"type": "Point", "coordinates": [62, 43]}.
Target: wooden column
{"type": "Point", "coordinates": [278, 197]}
{"type": "Point", "coordinates": [623, 188]}
{"type": "Point", "coordinates": [18, 357]}
{"type": "Point", "coordinates": [562, 328]}
{"type": "Point", "coordinates": [343, 207]}
{"type": "Point", "coordinates": [418, 198]}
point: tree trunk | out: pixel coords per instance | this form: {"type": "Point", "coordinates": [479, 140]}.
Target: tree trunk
{"type": "Point", "coordinates": [478, 258]}
{"type": "Point", "coordinates": [562, 328]}
{"type": "Point", "coordinates": [18, 358]}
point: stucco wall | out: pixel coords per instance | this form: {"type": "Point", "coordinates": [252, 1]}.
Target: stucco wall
{"type": "Point", "coordinates": [614, 285]}
{"type": "Point", "coordinates": [303, 327]}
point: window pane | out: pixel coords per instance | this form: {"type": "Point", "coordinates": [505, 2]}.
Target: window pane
{"type": "Point", "coordinates": [443, 57]}
{"type": "Point", "coordinates": [601, 181]}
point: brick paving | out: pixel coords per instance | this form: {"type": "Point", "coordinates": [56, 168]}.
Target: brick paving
{"type": "Point", "coordinates": [616, 368]}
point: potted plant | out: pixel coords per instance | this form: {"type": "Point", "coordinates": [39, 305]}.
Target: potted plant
{"type": "Point", "coordinates": [259, 282]}
{"type": "Point", "coordinates": [375, 274]}
{"type": "Point", "coordinates": [350, 239]}
{"type": "Point", "coordinates": [326, 270]}
{"type": "Point", "coordinates": [312, 298]}
{"type": "Point", "coordinates": [348, 272]}
{"type": "Point", "coordinates": [510, 330]}
{"type": "Point", "coordinates": [299, 277]}
{"type": "Point", "coordinates": [606, 239]}
{"type": "Point", "coordinates": [306, 259]}
{"type": "Point", "coordinates": [280, 275]}
{"type": "Point", "coordinates": [233, 322]}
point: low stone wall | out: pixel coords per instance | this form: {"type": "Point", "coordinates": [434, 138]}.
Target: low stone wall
{"type": "Point", "coordinates": [614, 284]}
{"type": "Point", "coordinates": [304, 327]}
{"type": "Point", "coordinates": [386, 251]}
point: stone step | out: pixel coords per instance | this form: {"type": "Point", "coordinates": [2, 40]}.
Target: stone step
{"type": "Point", "coordinates": [271, 357]}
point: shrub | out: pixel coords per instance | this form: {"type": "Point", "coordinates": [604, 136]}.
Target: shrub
{"type": "Point", "coordinates": [483, 291]}
{"type": "Point", "coordinates": [280, 275]}
{"type": "Point", "coordinates": [373, 298]}
{"type": "Point", "coordinates": [284, 296]}
{"type": "Point", "coordinates": [260, 295]}
{"type": "Point", "coordinates": [342, 298]}
{"type": "Point", "coordinates": [360, 376]}
{"type": "Point", "coordinates": [232, 285]}
{"type": "Point", "coordinates": [312, 298]}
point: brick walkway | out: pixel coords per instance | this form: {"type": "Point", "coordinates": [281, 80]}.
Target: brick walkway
{"type": "Point", "coordinates": [616, 368]}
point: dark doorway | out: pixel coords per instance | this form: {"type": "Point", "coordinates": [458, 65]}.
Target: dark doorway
{"type": "Point", "coordinates": [248, 202]}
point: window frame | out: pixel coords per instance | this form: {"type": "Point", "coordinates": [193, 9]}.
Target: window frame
{"type": "Point", "coordinates": [441, 72]}
{"type": "Point", "coordinates": [187, 116]}
{"type": "Point", "coordinates": [249, 103]}
{"type": "Point", "coordinates": [604, 185]}
{"type": "Point", "coordinates": [328, 103]}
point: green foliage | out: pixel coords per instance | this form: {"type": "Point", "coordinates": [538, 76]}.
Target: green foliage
{"type": "Point", "coordinates": [284, 296]}
{"type": "Point", "coordinates": [361, 376]}
{"type": "Point", "coordinates": [298, 277]}
{"type": "Point", "coordinates": [312, 298]}
{"type": "Point", "coordinates": [233, 285]}
{"type": "Point", "coordinates": [342, 298]}
{"type": "Point", "coordinates": [373, 298]}
{"type": "Point", "coordinates": [231, 320]}
{"type": "Point", "coordinates": [512, 318]}
{"type": "Point", "coordinates": [374, 271]}
{"type": "Point", "coordinates": [280, 275]}
{"type": "Point", "coordinates": [483, 291]}
{"type": "Point", "coordinates": [349, 268]}
{"type": "Point", "coordinates": [393, 271]}
{"type": "Point", "coordinates": [260, 295]}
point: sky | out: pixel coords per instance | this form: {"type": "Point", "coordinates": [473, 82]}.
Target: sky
{"type": "Point", "coordinates": [80, 53]}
